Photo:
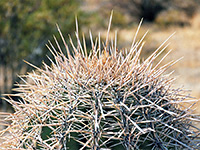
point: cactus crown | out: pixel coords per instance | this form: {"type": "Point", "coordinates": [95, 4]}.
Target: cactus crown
{"type": "Point", "coordinates": [108, 98]}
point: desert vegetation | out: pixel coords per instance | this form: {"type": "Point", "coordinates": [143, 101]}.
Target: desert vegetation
{"type": "Point", "coordinates": [104, 98]}
{"type": "Point", "coordinates": [26, 28]}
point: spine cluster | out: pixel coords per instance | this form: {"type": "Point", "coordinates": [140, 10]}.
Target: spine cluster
{"type": "Point", "coordinates": [104, 98]}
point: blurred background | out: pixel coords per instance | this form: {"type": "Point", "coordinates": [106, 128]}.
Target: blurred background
{"type": "Point", "coordinates": [26, 26]}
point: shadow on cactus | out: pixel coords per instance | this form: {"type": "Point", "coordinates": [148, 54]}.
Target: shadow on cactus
{"type": "Point", "coordinates": [104, 99]}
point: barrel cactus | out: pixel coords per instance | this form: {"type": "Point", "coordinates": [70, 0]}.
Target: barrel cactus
{"type": "Point", "coordinates": [101, 97]}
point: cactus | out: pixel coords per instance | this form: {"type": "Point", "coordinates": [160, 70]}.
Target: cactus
{"type": "Point", "coordinates": [102, 99]}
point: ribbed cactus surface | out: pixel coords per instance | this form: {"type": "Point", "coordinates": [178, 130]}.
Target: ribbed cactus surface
{"type": "Point", "coordinates": [104, 98]}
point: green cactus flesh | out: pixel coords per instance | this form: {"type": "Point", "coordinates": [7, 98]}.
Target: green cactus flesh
{"type": "Point", "coordinates": [108, 98]}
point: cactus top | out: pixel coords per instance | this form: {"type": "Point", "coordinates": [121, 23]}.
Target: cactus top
{"type": "Point", "coordinates": [101, 97]}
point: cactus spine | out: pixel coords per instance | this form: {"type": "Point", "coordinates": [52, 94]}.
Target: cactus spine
{"type": "Point", "coordinates": [105, 99]}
